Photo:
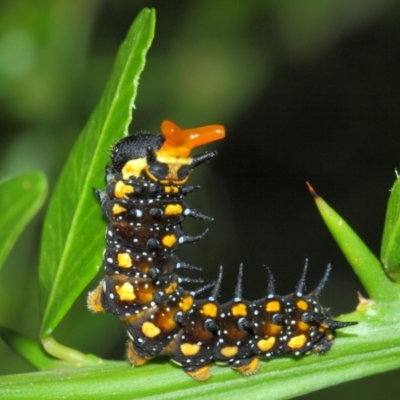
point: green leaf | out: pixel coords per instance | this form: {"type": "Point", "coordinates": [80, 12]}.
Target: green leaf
{"type": "Point", "coordinates": [73, 233]}
{"type": "Point", "coordinates": [369, 346]}
{"type": "Point", "coordinates": [21, 196]}
{"type": "Point", "coordinates": [30, 350]}
{"type": "Point", "coordinates": [390, 250]}
{"type": "Point", "coordinates": [364, 263]}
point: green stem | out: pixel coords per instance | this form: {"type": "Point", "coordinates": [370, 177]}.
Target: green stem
{"type": "Point", "coordinates": [65, 353]}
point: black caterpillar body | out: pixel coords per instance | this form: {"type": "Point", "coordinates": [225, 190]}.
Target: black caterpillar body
{"type": "Point", "coordinates": [145, 204]}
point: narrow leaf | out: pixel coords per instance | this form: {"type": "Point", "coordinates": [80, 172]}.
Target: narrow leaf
{"type": "Point", "coordinates": [21, 196]}
{"type": "Point", "coordinates": [73, 233]}
{"type": "Point", "coordinates": [364, 263]}
{"type": "Point", "coordinates": [390, 251]}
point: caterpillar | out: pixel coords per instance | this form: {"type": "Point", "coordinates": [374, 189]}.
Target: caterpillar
{"type": "Point", "coordinates": [145, 204]}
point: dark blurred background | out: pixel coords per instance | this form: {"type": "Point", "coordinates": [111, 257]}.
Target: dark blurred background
{"type": "Point", "coordinates": [308, 91]}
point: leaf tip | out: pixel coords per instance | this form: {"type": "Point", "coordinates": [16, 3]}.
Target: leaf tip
{"type": "Point", "coordinates": [314, 194]}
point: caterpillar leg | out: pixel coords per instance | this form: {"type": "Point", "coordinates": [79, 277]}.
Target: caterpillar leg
{"type": "Point", "coordinates": [246, 366]}
{"type": "Point", "coordinates": [132, 355]}
{"type": "Point", "coordinates": [201, 374]}
{"type": "Point", "coordinates": [94, 300]}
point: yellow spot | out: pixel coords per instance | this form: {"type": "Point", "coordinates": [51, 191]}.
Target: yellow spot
{"type": "Point", "coordinates": [303, 305]}
{"type": "Point", "coordinates": [239, 310]}
{"type": "Point", "coordinates": [171, 189]}
{"type": "Point", "coordinates": [189, 349]}
{"type": "Point", "coordinates": [169, 240]}
{"type": "Point", "coordinates": [186, 304]}
{"type": "Point", "coordinates": [117, 209]}
{"type": "Point", "coordinates": [273, 306]}
{"type": "Point", "coordinates": [121, 190]}
{"type": "Point", "coordinates": [125, 292]}
{"type": "Point", "coordinates": [296, 342]}
{"type": "Point", "coordinates": [124, 260]}
{"type": "Point", "coordinates": [303, 326]}
{"type": "Point", "coordinates": [150, 330]}
{"type": "Point", "coordinates": [266, 344]}
{"type": "Point", "coordinates": [134, 167]}
{"type": "Point", "coordinates": [209, 310]}
{"type": "Point", "coordinates": [171, 288]}
{"type": "Point", "coordinates": [173, 209]}
{"type": "Point", "coordinates": [201, 374]}
{"type": "Point", "coordinates": [322, 327]}
{"type": "Point", "coordinates": [229, 351]}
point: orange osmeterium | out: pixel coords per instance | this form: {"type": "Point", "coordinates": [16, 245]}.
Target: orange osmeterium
{"type": "Point", "coordinates": [179, 142]}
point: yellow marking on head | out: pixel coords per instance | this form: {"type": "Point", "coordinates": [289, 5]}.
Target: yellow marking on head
{"type": "Point", "coordinates": [189, 349]}
{"type": "Point", "coordinates": [121, 190]}
{"type": "Point", "coordinates": [169, 240]}
{"type": "Point", "coordinates": [303, 326]}
{"type": "Point", "coordinates": [186, 303]}
{"type": "Point", "coordinates": [229, 351]}
{"type": "Point", "coordinates": [134, 167]}
{"type": "Point", "coordinates": [248, 369]}
{"type": "Point", "coordinates": [209, 310]}
{"type": "Point", "coordinates": [150, 330]}
{"type": "Point", "coordinates": [117, 209]}
{"type": "Point", "coordinates": [266, 344]}
{"type": "Point", "coordinates": [239, 310]}
{"type": "Point", "coordinates": [303, 305]}
{"type": "Point", "coordinates": [296, 342]}
{"type": "Point", "coordinates": [201, 374]}
{"type": "Point", "coordinates": [173, 209]}
{"type": "Point", "coordinates": [124, 260]}
{"type": "Point", "coordinates": [171, 189]}
{"type": "Point", "coordinates": [273, 306]}
{"type": "Point", "coordinates": [125, 292]}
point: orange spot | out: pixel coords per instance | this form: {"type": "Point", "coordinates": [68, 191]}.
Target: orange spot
{"type": "Point", "coordinates": [303, 326]}
{"type": "Point", "coordinates": [125, 292]}
{"type": "Point", "coordinates": [189, 349]}
{"type": "Point", "coordinates": [296, 342]}
{"type": "Point", "coordinates": [173, 209]}
{"type": "Point", "coordinates": [239, 310]}
{"type": "Point", "coordinates": [121, 190]}
{"type": "Point", "coordinates": [171, 288]}
{"type": "Point", "coordinates": [169, 240]}
{"type": "Point", "coordinates": [117, 209]}
{"type": "Point", "coordinates": [229, 351]}
{"type": "Point", "coordinates": [150, 330]}
{"type": "Point", "coordinates": [266, 344]}
{"type": "Point", "coordinates": [303, 305]}
{"type": "Point", "coordinates": [209, 310]}
{"type": "Point", "coordinates": [186, 304]}
{"type": "Point", "coordinates": [273, 306]}
{"type": "Point", "coordinates": [179, 142]}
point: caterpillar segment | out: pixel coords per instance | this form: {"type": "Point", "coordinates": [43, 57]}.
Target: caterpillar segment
{"type": "Point", "coordinates": [145, 205]}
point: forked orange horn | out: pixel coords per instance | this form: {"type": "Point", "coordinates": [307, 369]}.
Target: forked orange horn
{"type": "Point", "coordinates": [179, 142]}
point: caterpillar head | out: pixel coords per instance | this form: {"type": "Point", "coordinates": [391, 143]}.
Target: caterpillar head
{"type": "Point", "coordinates": [166, 158]}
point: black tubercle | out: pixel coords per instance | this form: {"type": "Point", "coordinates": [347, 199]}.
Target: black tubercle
{"type": "Point", "coordinates": [202, 158]}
